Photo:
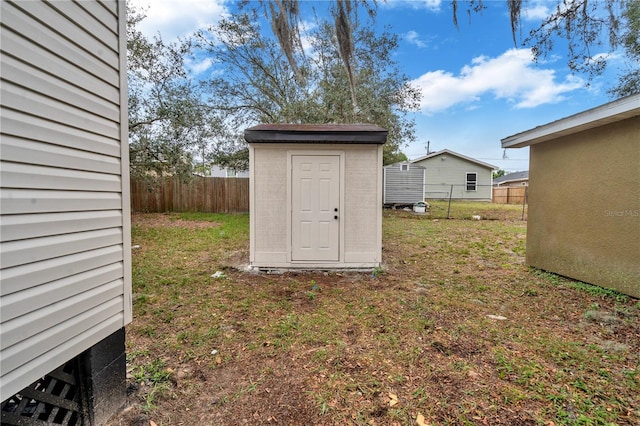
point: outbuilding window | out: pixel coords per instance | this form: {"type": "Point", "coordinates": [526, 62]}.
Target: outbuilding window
{"type": "Point", "coordinates": [404, 167]}
{"type": "Point", "coordinates": [472, 180]}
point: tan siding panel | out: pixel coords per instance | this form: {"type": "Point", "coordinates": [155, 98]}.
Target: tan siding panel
{"type": "Point", "coordinates": [15, 380]}
{"type": "Point", "coordinates": [13, 304]}
{"type": "Point", "coordinates": [28, 201]}
{"type": "Point", "coordinates": [36, 80]}
{"type": "Point", "coordinates": [36, 128]}
{"type": "Point", "coordinates": [361, 207]}
{"type": "Point", "coordinates": [16, 175]}
{"type": "Point", "coordinates": [21, 99]}
{"type": "Point", "coordinates": [28, 349]}
{"type": "Point", "coordinates": [43, 41]}
{"type": "Point", "coordinates": [93, 35]}
{"type": "Point", "coordinates": [21, 252]}
{"type": "Point", "coordinates": [18, 227]}
{"type": "Point", "coordinates": [30, 152]}
{"type": "Point", "coordinates": [102, 12]}
{"type": "Point", "coordinates": [271, 200]}
{"type": "Point", "coordinates": [37, 321]}
{"type": "Point", "coordinates": [27, 276]}
{"type": "Point", "coordinates": [111, 6]}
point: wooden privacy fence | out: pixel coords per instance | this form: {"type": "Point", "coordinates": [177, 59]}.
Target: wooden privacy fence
{"type": "Point", "coordinates": [200, 194]}
{"type": "Point", "coordinates": [510, 195]}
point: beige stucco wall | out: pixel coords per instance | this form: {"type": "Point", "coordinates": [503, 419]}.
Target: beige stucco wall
{"type": "Point", "coordinates": [361, 218]}
{"type": "Point", "coordinates": [584, 206]}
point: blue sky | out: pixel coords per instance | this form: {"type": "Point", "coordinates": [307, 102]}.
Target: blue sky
{"type": "Point", "coordinates": [477, 86]}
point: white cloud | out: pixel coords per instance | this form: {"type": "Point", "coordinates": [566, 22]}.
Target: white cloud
{"type": "Point", "coordinates": [535, 11]}
{"type": "Point", "coordinates": [200, 66]}
{"type": "Point", "coordinates": [414, 38]}
{"type": "Point", "coordinates": [433, 5]}
{"type": "Point", "coordinates": [176, 18]}
{"type": "Point", "coordinates": [511, 76]}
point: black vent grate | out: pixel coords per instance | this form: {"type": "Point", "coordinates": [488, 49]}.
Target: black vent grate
{"type": "Point", "coordinates": [55, 399]}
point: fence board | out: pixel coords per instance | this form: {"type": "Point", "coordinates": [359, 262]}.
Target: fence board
{"type": "Point", "coordinates": [509, 194]}
{"type": "Point", "coordinates": [201, 194]}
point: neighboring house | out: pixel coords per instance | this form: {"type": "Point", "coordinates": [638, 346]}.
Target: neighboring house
{"type": "Point", "coordinates": [452, 175]}
{"type": "Point", "coordinates": [217, 171]}
{"type": "Point", "coordinates": [65, 248]}
{"type": "Point", "coordinates": [514, 179]}
{"type": "Point", "coordinates": [403, 183]}
{"type": "Point", "coordinates": [584, 195]}
{"type": "Point", "coordinates": [315, 196]}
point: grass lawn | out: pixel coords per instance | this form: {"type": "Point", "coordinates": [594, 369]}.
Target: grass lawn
{"type": "Point", "coordinates": [454, 330]}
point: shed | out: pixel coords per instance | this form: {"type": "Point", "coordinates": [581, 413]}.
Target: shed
{"type": "Point", "coordinates": [65, 237]}
{"type": "Point", "coordinates": [456, 176]}
{"type": "Point", "coordinates": [315, 196]}
{"type": "Point", "coordinates": [584, 195]}
{"type": "Point", "coordinates": [403, 183]}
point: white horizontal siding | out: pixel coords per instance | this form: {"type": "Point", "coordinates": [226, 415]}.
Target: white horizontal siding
{"type": "Point", "coordinates": [36, 79]}
{"type": "Point", "coordinates": [23, 277]}
{"type": "Point", "coordinates": [103, 13]}
{"type": "Point", "coordinates": [23, 99]}
{"type": "Point", "coordinates": [64, 197]}
{"type": "Point", "coordinates": [21, 252]}
{"type": "Point", "coordinates": [23, 201]}
{"type": "Point", "coordinates": [78, 70]}
{"type": "Point", "coordinates": [31, 152]}
{"type": "Point", "coordinates": [26, 126]}
{"type": "Point", "coordinates": [59, 34]}
{"type": "Point", "coordinates": [20, 227]}
{"type": "Point", "coordinates": [55, 291]}
{"type": "Point", "coordinates": [21, 328]}
{"type": "Point", "coordinates": [39, 366]}
{"type": "Point", "coordinates": [20, 175]}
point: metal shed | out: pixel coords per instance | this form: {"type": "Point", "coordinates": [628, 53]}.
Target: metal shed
{"type": "Point", "coordinates": [315, 196]}
{"type": "Point", "coordinates": [403, 183]}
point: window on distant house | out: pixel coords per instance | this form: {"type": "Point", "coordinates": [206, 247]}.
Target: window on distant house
{"type": "Point", "coordinates": [404, 167]}
{"type": "Point", "coordinates": [472, 180]}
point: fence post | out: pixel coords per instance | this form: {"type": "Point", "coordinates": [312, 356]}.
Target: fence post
{"type": "Point", "coordinates": [449, 207]}
{"type": "Point", "coordinates": [524, 201]}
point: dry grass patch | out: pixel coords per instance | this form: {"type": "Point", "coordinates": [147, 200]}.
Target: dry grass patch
{"type": "Point", "coordinates": [455, 328]}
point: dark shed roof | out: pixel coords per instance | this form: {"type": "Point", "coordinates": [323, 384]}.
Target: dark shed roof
{"type": "Point", "coordinates": [316, 133]}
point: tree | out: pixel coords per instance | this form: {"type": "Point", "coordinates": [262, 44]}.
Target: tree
{"type": "Point", "coordinates": [585, 25]}
{"type": "Point", "coordinates": [169, 124]}
{"type": "Point", "coordinates": [259, 83]}
{"type": "Point", "coordinates": [629, 81]}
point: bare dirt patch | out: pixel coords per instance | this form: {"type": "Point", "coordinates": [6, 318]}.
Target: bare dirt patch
{"type": "Point", "coordinates": [169, 220]}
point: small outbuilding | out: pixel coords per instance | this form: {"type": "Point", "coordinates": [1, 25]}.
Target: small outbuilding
{"type": "Point", "coordinates": [452, 175]}
{"type": "Point", "coordinates": [584, 195]}
{"type": "Point", "coordinates": [403, 183]}
{"type": "Point", "coordinates": [315, 196]}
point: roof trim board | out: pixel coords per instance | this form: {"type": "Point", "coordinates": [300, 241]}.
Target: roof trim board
{"type": "Point", "coordinates": [455, 154]}
{"type": "Point", "coordinates": [316, 133]}
{"type": "Point", "coordinates": [611, 112]}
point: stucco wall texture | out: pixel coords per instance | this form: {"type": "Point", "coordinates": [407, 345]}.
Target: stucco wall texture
{"type": "Point", "coordinates": [584, 206]}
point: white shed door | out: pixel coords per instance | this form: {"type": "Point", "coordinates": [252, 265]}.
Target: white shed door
{"type": "Point", "coordinates": [315, 209]}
